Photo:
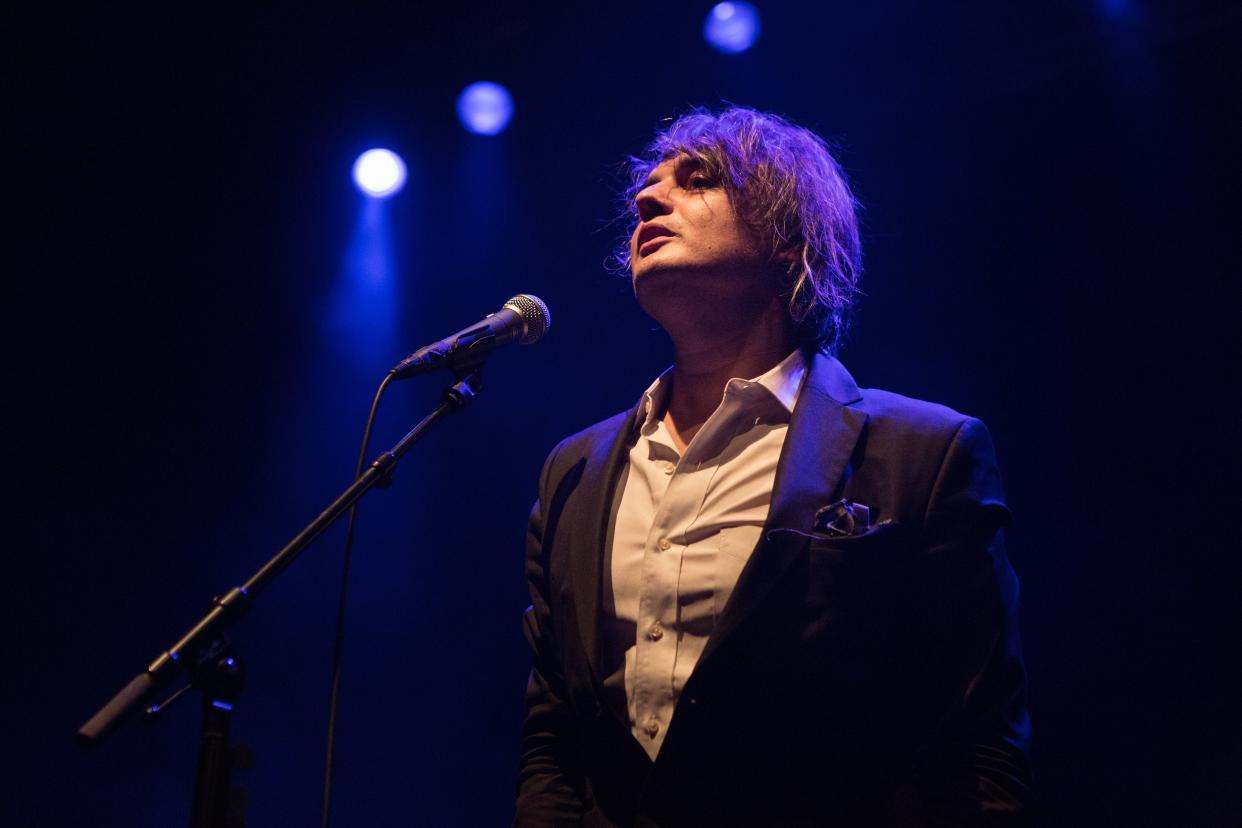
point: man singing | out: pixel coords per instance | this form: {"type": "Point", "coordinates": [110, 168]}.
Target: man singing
{"type": "Point", "coordinates": [766, 596]}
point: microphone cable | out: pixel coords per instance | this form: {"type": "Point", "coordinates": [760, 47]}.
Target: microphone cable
{"type": "Point", "coordinates": [484, 336]}
{"type": "Point", "coordinates": [339, 645]}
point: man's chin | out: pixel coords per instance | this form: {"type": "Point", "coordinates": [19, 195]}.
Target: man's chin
{"type": "Point", "coordinates": [657, 270]}
{"type": "Point", "coordinates": [666, 296]}
{"type": "Point", "coordinates": [654, 279]}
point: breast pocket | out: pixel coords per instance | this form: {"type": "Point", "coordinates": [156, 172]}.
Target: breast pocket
{"type": "Point", "coordinates": [884, 538]}
{"type": "Point", "coordinates": [858, 587]}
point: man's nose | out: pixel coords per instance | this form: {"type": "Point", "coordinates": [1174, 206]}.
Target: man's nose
{"type": "Point", "coordinates": [652, 201]}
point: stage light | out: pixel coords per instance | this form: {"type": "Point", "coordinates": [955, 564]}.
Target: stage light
{"type": "Point", "coordinates": [731, 27]}
{"type": "Point", "coordinates": [485, 108]}
{"type": "Point", "coordinates": [379, 173]}
{"type": "Point", "coordinates": [1116, 9]}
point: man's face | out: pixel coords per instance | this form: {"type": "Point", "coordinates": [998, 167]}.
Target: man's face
{"type": "Point", "coordinates": [691, 254]}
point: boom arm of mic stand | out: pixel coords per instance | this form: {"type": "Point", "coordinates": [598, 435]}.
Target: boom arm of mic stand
{"type": "Point", "coordinates": [228, 608]}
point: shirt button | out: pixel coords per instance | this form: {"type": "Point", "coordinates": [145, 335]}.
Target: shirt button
{"type": "Point", "coordinates": [664, 544]}
{"type": "Point", "coordinates": [652, 727]}
{"type": "Point", "coordinates": [656, 632]}
{"type": "Point", "coordinates": [670, 467]}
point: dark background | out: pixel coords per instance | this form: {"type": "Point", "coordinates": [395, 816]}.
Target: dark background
{"type": "Point", "coordinates": [1051, 230]}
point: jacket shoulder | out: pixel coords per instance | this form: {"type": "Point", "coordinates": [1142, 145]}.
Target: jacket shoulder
{"type": "Point", "coordinates": [605, 431]}
{"type": "Point", "coordinates": [584, 443]}
{"type": "Point", "coordinates": [899, 414]}
{"type": "Point", "coordinates": [933, 452]}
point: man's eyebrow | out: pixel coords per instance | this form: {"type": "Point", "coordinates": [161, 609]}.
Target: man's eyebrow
{"type": "Point", "coordinates": [681, 165]}
{"type": "Point", "coordinates": [687, 163]}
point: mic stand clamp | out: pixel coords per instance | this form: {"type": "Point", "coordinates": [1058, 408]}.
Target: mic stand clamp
{"type": "Point", "coordinates": [218, 673]}
{"type": "Point", "coordinates": [461, 393]}
{"type": "Point", "coordinates": [220, 676]}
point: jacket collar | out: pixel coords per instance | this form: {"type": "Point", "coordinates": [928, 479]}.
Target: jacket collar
{"type": "Point", "coordinates": [600, 476]}
{"type": "Point", "coordinates": [811, 472]}
{"type": "Point", "coordinates": [822, 433]}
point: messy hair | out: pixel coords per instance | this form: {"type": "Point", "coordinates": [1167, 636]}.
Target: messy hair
{"type": "Point", "coordinates": [785, 185]}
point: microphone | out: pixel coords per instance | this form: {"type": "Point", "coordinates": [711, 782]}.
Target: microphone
{"type": "Point", "coordinates": [524, 319]}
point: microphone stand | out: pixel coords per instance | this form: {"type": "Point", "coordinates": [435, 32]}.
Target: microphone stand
{"type": "Point", "coordinates": [214, 667]}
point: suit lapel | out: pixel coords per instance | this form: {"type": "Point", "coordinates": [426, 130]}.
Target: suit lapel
{"type": "Point", "coordinates": [599, 483]}
{"type": "Point", "coordinates": [810, 473]}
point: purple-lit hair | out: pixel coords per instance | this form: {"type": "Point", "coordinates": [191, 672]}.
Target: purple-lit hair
{"type": "Point", "coordinates": [786, 186]}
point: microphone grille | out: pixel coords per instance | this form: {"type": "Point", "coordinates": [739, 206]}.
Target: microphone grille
{"type": "Point", "coordinates": [534, 313]}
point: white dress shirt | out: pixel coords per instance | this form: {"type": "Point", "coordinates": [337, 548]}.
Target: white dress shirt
{"type": "Point", "coordinates": [684, 525]}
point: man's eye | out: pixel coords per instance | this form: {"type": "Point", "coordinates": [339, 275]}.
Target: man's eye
{"type": "Point", "coordinates": [700, 182]}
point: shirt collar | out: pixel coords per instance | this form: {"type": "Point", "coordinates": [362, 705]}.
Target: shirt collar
{"type": "Point", "coordinates": [783, 381]}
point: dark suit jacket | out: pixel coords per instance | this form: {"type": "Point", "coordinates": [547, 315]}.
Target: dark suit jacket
{"type": "Point", "coordinates": [874, 679]}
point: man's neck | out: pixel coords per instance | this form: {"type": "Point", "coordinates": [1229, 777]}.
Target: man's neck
{"type": "Point", "coordinates": [702, 364]}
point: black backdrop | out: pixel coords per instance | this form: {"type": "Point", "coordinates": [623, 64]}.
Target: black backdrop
{"type": "Point", "coordinates": [1051, 231]}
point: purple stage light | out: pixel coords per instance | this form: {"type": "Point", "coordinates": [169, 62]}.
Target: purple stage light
{"type": "Point", "coordinates": [379, 173]}
{"type": "Point", "coordinates": [731, 27]}
{"type": "Point", "coordinates": [485, 108]}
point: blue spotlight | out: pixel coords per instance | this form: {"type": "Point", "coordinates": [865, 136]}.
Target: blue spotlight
{"type": "Point", "coordinates": [1116, 9]}
{"type": "Point", "coordinates": [379, 173]}
{"type": "Point", "coordinates": [731, 27]}
{"type": "Point", "coordinates": [485, 108]}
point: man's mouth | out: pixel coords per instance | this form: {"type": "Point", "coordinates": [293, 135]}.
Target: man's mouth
{"type": "Point", "coordinates": [650, 237]}
{"type": "Point", "coordinates": [652, 243]}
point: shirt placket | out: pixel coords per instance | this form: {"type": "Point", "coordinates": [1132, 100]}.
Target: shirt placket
{"type": "Point", "coordinates": [657, 639]}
